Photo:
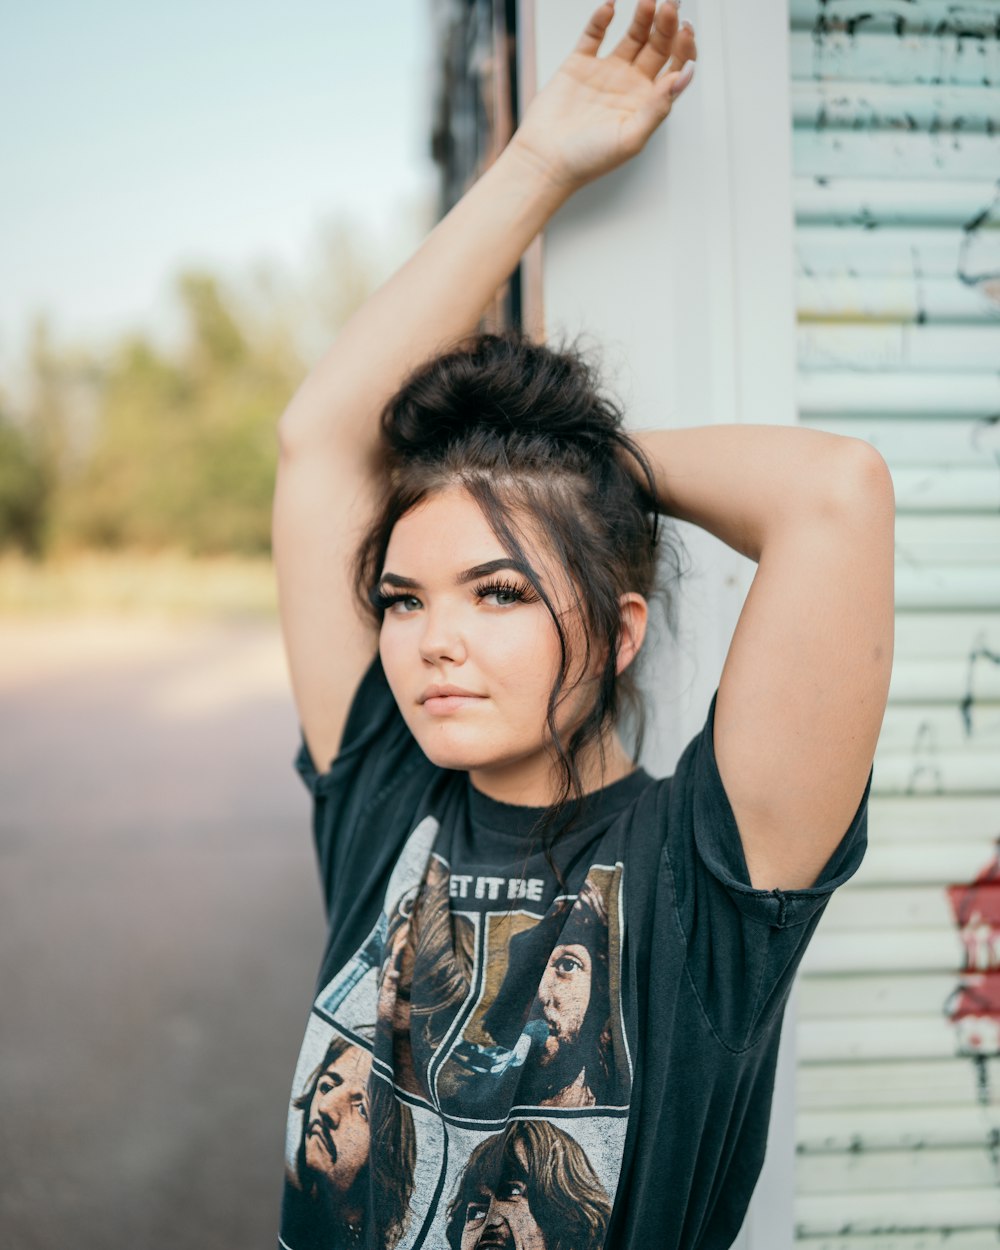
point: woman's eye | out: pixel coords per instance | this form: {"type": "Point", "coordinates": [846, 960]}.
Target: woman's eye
{"type": "Point", "coordinates": [507, 593]}
{"type": "Point", "coordinates": [386, 600]}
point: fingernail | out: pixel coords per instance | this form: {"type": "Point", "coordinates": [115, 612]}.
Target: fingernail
{"type": "Point", "coordinates": [683, 78]}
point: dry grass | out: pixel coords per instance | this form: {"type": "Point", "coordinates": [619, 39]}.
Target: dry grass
{"type": "Point", "coordinates": [167, 584]}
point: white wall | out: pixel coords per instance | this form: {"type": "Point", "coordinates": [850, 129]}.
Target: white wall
{"type": "Point", "coordinates": [679, 265]}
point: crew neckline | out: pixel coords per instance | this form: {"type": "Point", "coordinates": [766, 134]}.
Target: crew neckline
{"type": "Point", "coordinates": [518, 818]}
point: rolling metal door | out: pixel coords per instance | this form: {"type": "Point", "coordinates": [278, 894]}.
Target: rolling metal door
{"type": "Point", "coordinates": [896, 152]}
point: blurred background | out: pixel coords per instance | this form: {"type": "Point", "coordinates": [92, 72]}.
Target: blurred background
{"type": "Point", "coordinates": [196, 197]}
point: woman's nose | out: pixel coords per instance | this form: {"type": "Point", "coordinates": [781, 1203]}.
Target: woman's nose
{"type": "Point", "coordinates": [441, 639]}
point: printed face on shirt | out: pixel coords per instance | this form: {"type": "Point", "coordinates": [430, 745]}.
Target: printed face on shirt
{"type": "Point", "coordinates": [397, 981]}
{"type": "Point", "coordinates": [564, 996]}
{"type": "Point", "coordinates": [502, 1219]}
{"type": "Point", "coordinates": [338, 1135]}
{"type": "Point", "coordinates": [529, 1187]}
{"type": "Point", "coordinates": [490, 635]}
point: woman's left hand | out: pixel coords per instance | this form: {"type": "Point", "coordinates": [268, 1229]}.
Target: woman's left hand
{"type": "Point", "coordinates": [595, 113]}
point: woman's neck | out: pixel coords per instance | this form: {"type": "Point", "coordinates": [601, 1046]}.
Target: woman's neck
{"type": "Point", "coordinates": [535, 780]}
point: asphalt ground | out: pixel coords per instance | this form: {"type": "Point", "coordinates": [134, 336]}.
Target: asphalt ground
{"type": "Point", "coordinates": [160, 931]}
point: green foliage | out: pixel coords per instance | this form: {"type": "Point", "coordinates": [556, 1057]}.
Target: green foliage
{"type": "Point", "coordinates": [147, 449]}
{"type": "Point", "coordinates": [185, 453]}
{"type": "Point", "coordinates": [25, 490]}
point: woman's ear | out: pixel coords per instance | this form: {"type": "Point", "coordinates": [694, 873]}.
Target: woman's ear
{"type": "Point", "coordinates": [635, 617]}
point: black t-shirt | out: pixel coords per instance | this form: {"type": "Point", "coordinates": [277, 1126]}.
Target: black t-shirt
{"type": "Point", "coordinates": [491, 1060]}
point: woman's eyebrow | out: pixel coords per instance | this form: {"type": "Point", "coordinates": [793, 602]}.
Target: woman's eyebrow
{"type": "Point", "coordinates": [467, 575]}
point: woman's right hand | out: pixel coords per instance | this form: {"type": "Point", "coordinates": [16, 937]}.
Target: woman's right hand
{"type": "Point", "coordinates": [595, 113]}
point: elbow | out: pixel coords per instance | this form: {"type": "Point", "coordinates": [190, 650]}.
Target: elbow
{"type": "Point", "coordinates": [864, 486]}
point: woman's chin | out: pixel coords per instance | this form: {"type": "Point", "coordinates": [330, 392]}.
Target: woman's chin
{"type": "Point", "coordinates": [451, 751]}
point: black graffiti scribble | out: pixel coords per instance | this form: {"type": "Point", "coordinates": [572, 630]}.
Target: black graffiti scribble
{"type": "Point", "coordinates": [984, 280]}
{"type": "Point", "coordinates": [979, 652]}
{"type": "Point", "coordinates": [983, 432]}
{"type": "Point", "coordinates": [926, 776]}
{"type": "Point", "coordinates": [910, 17]}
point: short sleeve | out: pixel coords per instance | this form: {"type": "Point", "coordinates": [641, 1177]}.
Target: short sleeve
{"type": "Point", "coordinates": [743, 944]}
{"type": "Point", "coordinates": [377, 762]}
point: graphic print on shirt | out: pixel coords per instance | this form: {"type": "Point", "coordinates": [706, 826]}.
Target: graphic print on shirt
{"type": "Point", "coordinates": [465, 1077]}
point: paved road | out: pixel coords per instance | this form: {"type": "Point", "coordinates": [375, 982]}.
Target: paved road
{"type": "Point", "coordinates": [160, 929]}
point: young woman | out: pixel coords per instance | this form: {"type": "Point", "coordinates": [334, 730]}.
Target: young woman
{"type": "Point", "coordinates": [549, 1006]}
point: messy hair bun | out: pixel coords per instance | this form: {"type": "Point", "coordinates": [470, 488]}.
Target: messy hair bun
{"type": "Point", "coordinates": [506, 386]}
{"type": "Point", "coordinates": [524, 428]}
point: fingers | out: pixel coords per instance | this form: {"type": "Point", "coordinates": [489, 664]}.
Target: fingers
{"type": "Point", "coordinates": [668, 39]}
{"type": "Point", "coordinates": [600, 20]}
{"type": "Point", "coordinates": [652, 56]}
{"type": "Point", "coordinates": [638, 32]}
{"type": "Point", "coordinates": [654, 37]}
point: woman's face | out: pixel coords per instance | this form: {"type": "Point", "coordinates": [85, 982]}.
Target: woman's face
{"type": "Point", "coordinates": [445, 629]}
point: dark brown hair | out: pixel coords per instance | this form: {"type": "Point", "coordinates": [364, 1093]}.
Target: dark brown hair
{"type": "Point", "coordinates": [524, 429]}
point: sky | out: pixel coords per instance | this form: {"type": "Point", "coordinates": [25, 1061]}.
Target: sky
{"type": "Point", "coordinates": [138, 138]}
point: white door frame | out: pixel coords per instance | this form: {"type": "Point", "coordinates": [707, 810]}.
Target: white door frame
{"type": "Point", "coordinates": [679, 266]}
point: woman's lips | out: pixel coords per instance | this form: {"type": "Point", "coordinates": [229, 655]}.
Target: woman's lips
{"type": "Point", "coordinates": [443, 703]}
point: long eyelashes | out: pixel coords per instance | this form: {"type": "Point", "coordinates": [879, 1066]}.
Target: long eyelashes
{"type": "Point", "coordinates": [521, 591]}
{"type": "Point", "coordinates": [518, 591]}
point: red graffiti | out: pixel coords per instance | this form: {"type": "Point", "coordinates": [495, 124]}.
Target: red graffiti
{"type": "Point", "coordinates": [974, 1008]}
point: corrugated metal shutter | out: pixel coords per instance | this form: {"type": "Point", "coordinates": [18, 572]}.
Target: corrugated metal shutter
{"type": "Point", "coordinates": [896, 108]}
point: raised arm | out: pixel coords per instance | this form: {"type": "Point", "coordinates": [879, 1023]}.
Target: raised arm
{"type": "Point", "coordinates": [326, 480]}
{"type": "Point", "coordinates": [594, 114]}
{"type": "Point", "coordinates": [435, 298]}
{"type": "Point", "coordinates": [806, 678]}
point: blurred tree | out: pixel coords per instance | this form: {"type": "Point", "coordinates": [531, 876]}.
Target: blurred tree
{"type": "Point", "coordinates": [41, 443]}
{"type": "Point", "coordinates": [185, 450]}
{"type": "Point", "coordinates": [217, 343]}
{"type": "Point", "coordinates": [25, 488]}
{"type": "Point", "coordinates": [145, 447]}
{"type": "Point", "coordinates": [149, 448]}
